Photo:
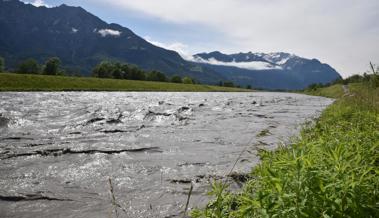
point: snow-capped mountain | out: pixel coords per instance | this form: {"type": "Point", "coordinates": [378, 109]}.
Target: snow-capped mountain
{"type": "Point", "coordinates": [81, 40]}
{"type": "Point", "coordinates": [268, 70]}
{"type": "Point", "coordinates": [251, 61]}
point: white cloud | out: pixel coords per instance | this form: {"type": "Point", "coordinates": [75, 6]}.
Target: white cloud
{"type": "Point", "coordinates": [253, 65]}
{"type": "Point", "coordinates": [109, 32]}
{"type": "Point", "coordinates": [179, 47]}
{"type": "Point", "coordinates": [343, 33]}
{"type": "Point", "coordinates": [39, 3]}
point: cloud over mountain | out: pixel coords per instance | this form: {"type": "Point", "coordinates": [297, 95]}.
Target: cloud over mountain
{"type": "Point", "coordinates": [314, 28]}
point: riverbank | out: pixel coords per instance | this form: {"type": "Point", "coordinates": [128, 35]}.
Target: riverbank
{"type": "Point", "coordinates": [27, 82]}
{"type": "Point", "coordinates": [331, 170]}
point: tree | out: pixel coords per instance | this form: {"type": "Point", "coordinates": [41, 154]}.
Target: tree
{"type": "Point", "coordinates": [156, 76]}
{"type": "Point", "coordinates": [248, 87]}
{"type": "Point", "coordinates": [2, 64]}
{"type": "Point", "coordinates": [187, 80]}
{"type": "Point", "coordinates": [29, 66]}
{"type": "Point", "coordinates": [116, 70]}
{"type": "Point", "coordinates": [228, 84]}
{"type": "Point", "coordinates": [52, 66]}
{"type": "Point", "coordinates": [103, 70]}
{"type": "Point", "coordinates": [135, 73]}
{"type": "Point", "coordinates": [176, 79]}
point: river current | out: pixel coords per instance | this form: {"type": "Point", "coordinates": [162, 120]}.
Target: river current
{"type": "Point", "coordinates": [59, 151]}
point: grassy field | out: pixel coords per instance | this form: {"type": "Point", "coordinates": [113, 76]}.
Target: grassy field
{"type": "Point", "coordinates": [331, 170]}
{"type": "Point", "coordinates": [334, 91]}
{"type": "Point", "coordinates": [27, 82]}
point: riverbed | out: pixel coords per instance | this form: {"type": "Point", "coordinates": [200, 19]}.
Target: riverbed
{"type": "Point", "coordinates": [60, 150]}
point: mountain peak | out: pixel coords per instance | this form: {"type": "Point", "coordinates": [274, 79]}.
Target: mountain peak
{"type": "Point", "coordinates": [81, 40]}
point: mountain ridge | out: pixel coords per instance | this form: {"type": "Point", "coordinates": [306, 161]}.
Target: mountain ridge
{"type": "Point", "coordinates": [82, 40]}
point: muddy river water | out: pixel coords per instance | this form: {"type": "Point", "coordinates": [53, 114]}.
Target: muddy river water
{"type": "Point", "coordinates": [59, 150]}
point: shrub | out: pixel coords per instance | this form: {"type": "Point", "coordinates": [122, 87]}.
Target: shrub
{"type": "Point", "coordinates": [29, 66]}
{"type": "Point", "coordinates": [187, 80]}
{"type": "Point", "coordinates": [52, 66]}
{"type": "Point", "coordinates": [176, 79]}
{"type": "Point", "coordinates": [2, 64]}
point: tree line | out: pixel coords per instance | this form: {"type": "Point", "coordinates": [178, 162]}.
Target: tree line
{"type": "Point", "coordinates": [117, 70]}
{"type": "Point", "coordinates": [31, 66]}
{"type": "Point", "coordinates": [105, 69]}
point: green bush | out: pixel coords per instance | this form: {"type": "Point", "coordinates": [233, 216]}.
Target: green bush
{"type": "Point", "coordinates": [187, 80]}
{"type": "Point", "coordinates": [176, 79]}
{"type": "Point", "coordinates": [29, 66]}
{"type": "Point", "coordinates": [52, 66]}
{"type": "Point", "coordinates": [2, 64]}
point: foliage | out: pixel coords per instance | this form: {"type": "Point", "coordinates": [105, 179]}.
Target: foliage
{"type": "Point", "coordinates": [29, 66]}
{"type": "Point", "coordinates": [116, 70]}
{"type": "Point", "coordinates": [228, 84]}
{"type": "Point", "coordinates": [332, 170]}
{"type": "Point", "coordinates": [104, 70]}
{"type": "Point", "coordinates": [2, 64]}
{"type": "Point", "coordinates": [188, 80]}
{"type": "Point", "coordinates": [176, 79]}
{"type": "Point", "coordinates": [29, 82]}
{"type": "Point", "coordinates": [52, 66]}
{"type": "Point", "coordinates": [156, 76]}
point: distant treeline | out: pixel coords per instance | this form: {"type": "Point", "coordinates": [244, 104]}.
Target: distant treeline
{"type": "Point", "coordinates": [52, 66]}
{"type": "Point", "coordinates": [117, 70]}
{"type": "Point", "coordinates": [105, 69]}
{"type": "Point", "coordinates": [372, 76]}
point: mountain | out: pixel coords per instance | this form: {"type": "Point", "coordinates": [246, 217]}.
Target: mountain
{"type": "Point", "coordinates": [81, 40]}
{"type": "Point", "coordinates": [269, 71]}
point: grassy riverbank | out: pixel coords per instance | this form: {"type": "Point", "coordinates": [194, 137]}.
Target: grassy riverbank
{"type": "Point", "coordinates": [27, 82]}
{"type": "Point", "coordinates": [332, 170]}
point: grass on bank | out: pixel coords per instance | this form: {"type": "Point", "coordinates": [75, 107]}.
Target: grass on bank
{"type": "Point", "coordinates": [332, 170]}
{"type": "Point", "coordinates": [334, 91]}
{"type": "Point", "coordinates": [28, 82]}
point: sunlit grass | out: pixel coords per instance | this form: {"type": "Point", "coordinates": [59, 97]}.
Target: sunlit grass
{"type": "Point", "coordinates": [334, 91]}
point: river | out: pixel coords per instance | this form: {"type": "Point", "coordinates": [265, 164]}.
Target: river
{"type": "Point", "coordinates": [58, 150]}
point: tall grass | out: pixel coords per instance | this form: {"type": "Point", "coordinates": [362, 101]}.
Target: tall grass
{"type": "Point", "coordinates": [332, 170]}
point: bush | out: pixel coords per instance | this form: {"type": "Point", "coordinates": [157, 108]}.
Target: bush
{"type": "Point", "coordinates": [29, 66]}
{"type": "Point", "coordinates": [187, 80]}
{"type": "Point", "coordinates": [228, 84]}
{"type": "Point", "coordinates": [156, 76]}
{"type": "Point", "coordinates": [2, 64]}
{"type": "Point", "coordinates": [52, 66]}
{"type": "Point", "coordinates": [103, 70]}
{"type": "Point", "coordinates": [176, 79]}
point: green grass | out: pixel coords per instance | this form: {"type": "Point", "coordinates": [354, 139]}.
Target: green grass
{"type": "Point", "coordinates": [27, 82]}
{"type": "Point", "coordinates": [334, 91]}
{"type": "Point", "coordinates": [331, 170]}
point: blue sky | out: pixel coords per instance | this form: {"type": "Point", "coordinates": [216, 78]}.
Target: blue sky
{"type": "Point", "coordinates": [342, 33]}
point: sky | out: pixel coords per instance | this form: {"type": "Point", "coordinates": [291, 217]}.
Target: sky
{"type": "Point", "coordinates": [341, 33]}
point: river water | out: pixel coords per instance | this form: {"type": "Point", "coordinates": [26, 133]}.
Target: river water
{"type": "Point", "coordinates": [58, 151]}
